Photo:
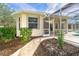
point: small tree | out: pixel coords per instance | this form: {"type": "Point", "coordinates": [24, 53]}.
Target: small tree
{"type": "Point", "coordinates": [6, 19]}
{"type": "Point", "coordinates": [60, 40]}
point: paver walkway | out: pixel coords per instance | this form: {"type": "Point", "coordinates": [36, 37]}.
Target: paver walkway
{"type": "Point", "coordinates": [70, 38]}
{"type": "Point", "coordinates": [30, 48]}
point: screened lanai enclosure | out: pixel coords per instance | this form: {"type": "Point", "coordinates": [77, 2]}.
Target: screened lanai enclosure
{"type": "Point", "coordinates": [59, 16]}
{"type": "Point", "coordinates": [71, 10]}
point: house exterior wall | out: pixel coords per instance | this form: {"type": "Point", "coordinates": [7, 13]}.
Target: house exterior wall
{"type": "Point", "coordinates": [40, 30]}
{"type": "Point", "coordinates": [24, 23]}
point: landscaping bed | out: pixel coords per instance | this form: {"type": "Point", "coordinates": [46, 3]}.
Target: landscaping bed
{"type": "Point", "coordinates": [49, 48]}
{"type": "Point", "coordinates": [8, 41]}
{"type": "Point", "coordinates": [9, 48]}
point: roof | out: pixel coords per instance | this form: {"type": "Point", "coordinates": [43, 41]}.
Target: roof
{"type": "Point", "coordinates": [28, 11]}
{"type": "Point", "coordinates": [57, 16]}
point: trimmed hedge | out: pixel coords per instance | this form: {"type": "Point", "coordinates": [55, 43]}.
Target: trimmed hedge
{"type": "Point", "coordinates": [25, 34]}
{"type": "Point", "coordinates": [7, 33]}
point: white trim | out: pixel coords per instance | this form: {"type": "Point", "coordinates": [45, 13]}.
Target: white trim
{"type": "Point", "coordinates": [17, 27]}
{"type": "Point", "coordinates": [46, 29]}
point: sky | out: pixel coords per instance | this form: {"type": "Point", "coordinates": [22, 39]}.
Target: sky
{"type": "Point", "coordinates": [29, 6]}
{"type": "Point", "coordinates": [43, 7]}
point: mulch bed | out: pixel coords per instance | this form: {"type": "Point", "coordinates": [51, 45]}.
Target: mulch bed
{"type": "Point", "coordinates": [9, 48]}
{"type": "Point", "coordinates": [49, 48]}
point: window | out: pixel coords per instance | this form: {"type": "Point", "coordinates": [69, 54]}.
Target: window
{"type": "Point", "coordinates": [33, 22]}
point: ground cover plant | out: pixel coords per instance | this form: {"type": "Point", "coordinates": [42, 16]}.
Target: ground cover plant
{"type": "Point", "coordinates": [7, 33]}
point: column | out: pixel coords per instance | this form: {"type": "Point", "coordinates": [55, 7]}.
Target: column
{"type": "Point", "coordinates": [17, 27]}
{"type": "Point", "coordinates": [72, 26]}
{"type": "Point", "coordinates": [67, 25]}
{"type": "Point", "coordinates": [53, 27]}
{"type": "Point", "coordinates": [60, 16]}
{"type": "Point", "coordinates": [49, 25]}
{"type": "Point", "coordinates": [75, 27]}
{"type": "Point", "coordinates": [60, 22]}
{"type": "Point", "coordinates": [78, 26]}
{"type": "Point", "coordinates": [41, 25]}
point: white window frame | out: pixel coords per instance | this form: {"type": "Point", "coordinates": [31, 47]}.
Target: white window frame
{"type": "Point", "coordinates": [33, 22]}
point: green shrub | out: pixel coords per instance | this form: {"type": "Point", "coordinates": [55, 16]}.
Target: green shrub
{"type": "Point", "coordinates": [60, 40]}
{"type": "Point", "coordinates": [25, 34]}
{"type": "Point", "coordinates": [7, 33]}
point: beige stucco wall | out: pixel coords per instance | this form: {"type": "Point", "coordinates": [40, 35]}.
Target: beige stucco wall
{"type": "Point", "coordinates": [23, 20]}
{"type": "Point", "coordinates": [24, 23]}
{"type": "Point", "coordinates": [40, 29]}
